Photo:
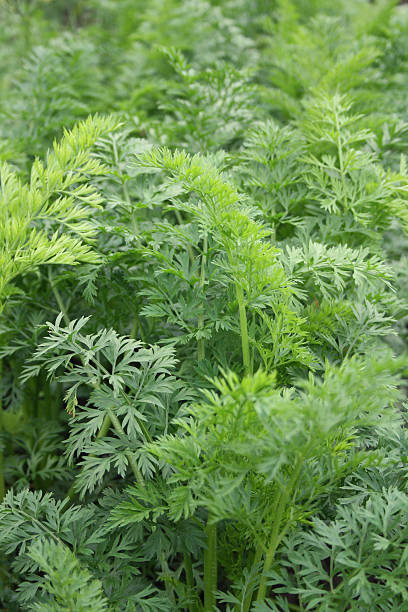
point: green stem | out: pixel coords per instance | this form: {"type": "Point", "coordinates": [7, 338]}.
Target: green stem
{"type": "Point", "coordinates": [125, 191]}
{"type": "Point", "coordinates": [246, 358]}
{"type": "Point", "coordinates": [201, 341]}
{"type": "Point", "coordinates": [58, 297]}
{"type": "Point", "coordinates": [105, 427]}
{"type": "Point", "coordinates": [210, 567]}
{"type": "Point", "coordinates": [188, 568]}
{"type": "Point", "coordinates": [269, 557]}
{"type": "Point", "coordinates": [135, 327]}
{"type": "Point", "coordinates": [167, 578]}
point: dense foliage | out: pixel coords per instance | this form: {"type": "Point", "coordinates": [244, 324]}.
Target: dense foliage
{"type": "Point", "coordinates": [203, 305]}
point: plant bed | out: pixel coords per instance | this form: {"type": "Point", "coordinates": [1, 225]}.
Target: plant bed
{"type": "Point", "coordinates": [203, 306]}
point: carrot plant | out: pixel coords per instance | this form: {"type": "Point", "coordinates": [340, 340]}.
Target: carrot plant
{"type": "Point", "coordinates": [203, 220]}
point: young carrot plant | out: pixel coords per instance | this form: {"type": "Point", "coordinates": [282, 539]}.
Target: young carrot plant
{"type": "Point", "coordinates": [203, 305]}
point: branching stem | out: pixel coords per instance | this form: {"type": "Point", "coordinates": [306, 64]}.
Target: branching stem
{"type": "Point", "coordinates": [210, 567]}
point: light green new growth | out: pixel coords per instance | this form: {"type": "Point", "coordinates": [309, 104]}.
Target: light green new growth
{"type": "Point", "coordinates": [204, 307]}
{"type": "Point", "coordinates": [48, 220]}
{"type": "Point", "coordinates": [249, 259]}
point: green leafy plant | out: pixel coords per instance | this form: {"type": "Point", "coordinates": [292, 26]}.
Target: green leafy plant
{"type": "Point", "coordinates": [203, 305]}
{"type": "Point", "coordinates": [48, 220]}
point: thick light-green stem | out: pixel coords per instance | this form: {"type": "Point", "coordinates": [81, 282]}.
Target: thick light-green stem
{"type": "Point", "coordinates": [246, 357]}
{"type": "Point", "coordinates": [210, 567]}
